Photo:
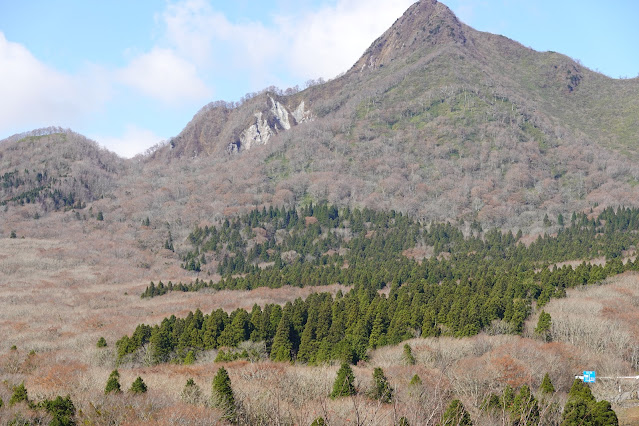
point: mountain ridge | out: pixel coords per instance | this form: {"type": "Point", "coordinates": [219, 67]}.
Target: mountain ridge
{"type": "Point", "coordinates": [435, 119]}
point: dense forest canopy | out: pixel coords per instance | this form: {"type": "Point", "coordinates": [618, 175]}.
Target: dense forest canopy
{"type": "Point", "coordinates": [486, 281]}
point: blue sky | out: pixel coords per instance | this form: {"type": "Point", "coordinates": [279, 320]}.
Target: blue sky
{"type": "Point", "coordinates": [129, 74]}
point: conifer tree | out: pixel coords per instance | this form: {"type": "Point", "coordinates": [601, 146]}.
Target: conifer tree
{"type": "Point", "coordinates": [101, 343]}
{"type": "Point", "coordinates": [189, 359]}
{"type": "Point", "coordinates": [408, 357]}
{"type": "Point", "coordinates": [382, 390]}
{"type": "Point", "coordinates": [113, 383]}
{"type": "Point", "coordinates": [456, 415]}
{"type": "Point", "coordinates": [282, 345]}
{"type": "Point", "coordinates": [344, 384]}
{"type": "Point", "coordinates": [543, 325]}
{"type": "Point", "coordinates": [61, 410]}
{"type": "Point", "coordinates": [308, 344]}
{"type": "Point", "coordinates": [583, 409]}
{"type": "Point", "coordinates": [546, 385]}
{"type": "Point", "coordinates": [525, 408]}
{"type": "Point", "coordinates": [138, 386]}
{"type": "Point", "coordinates": [222, 394]}
{"type": "Point", "coordinates": [546, 221]}
{"type": "Point", "coordinates": [19, 394]}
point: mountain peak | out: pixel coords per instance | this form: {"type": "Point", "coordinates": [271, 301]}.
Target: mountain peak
{"type": "Point", "coordinates": [425, 23]}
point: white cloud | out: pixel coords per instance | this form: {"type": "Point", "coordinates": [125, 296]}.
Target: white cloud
{"type": "Point", "coordinates": [308, 44]}
{"type": "Point", "coordinates": [133, 141]}
{"type": "Point", "coordinates": [161, 74]}
{"type": "Point", "coordinates": [35, 95]}
{"type": "Point", "coordinates": [329, 41]}
{"type": "Point", "coordinates": [198, 47]}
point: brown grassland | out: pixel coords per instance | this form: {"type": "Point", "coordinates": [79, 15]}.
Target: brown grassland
{"type": "Point", "coordinates": [56, 300]}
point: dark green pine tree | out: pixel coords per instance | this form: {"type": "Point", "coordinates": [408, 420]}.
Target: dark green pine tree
{"type": "Point", "coordinates": [160, 342]}
{"type": "Point", "coordinates": [222, 394]}
{"type": "Point", "coordinates": [583, 409]}
{"type": "Point", "coordinates": [138, 386]}
{"type": "Point", "coordinates": [61, 410]}
{"type": "Point", "coordinates": [378, 332]}
{"type": "Point", "coordinates": [282, 345]}
{"type": "Point", "coordinates": [408, 356]}
{"type": "Point", "coordinates": [344, 384]}
{"type": "Point", "coordinates": [456, 415]}
{"type": "Point", "coordinates": [237, 331]}
{"type": "Point", "coordinates": [308, 344]}
{"type": "Point", "coordinates": [102, 343]}
{"type": "Point", "coordinates": [546, 385]}
{"type": "Point", "coordinates": [525, 408]}
{"type": "Point", "coordinates": [543, 325]}
{"type": "Point", "coordinates": [382, 390]}
{"type": "Point", "coordinates": [19, 394]}
{"type": "Point", "coordinates": [113, 383]}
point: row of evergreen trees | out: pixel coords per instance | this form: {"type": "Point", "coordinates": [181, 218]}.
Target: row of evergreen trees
{"type": "Point", "coordinates": [323, 327]}
{"type": "Point", "coordinates": [377, 241]}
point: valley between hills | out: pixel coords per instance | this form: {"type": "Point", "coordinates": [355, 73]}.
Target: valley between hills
{"type": "Point", "coordinates": [446, 233]}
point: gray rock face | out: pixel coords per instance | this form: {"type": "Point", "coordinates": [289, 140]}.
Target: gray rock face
{"type": "Point", "coordinates": [268, 123]}
{"type": "Point", "coordinates": [280, 113]}
{"type": "Point", "coordinates": [257, 134]}
{"type": "Point", "coordinates": [301, 115]}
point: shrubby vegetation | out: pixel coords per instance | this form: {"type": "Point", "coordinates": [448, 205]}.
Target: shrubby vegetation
{"type": "Point", "coordinates": [60, 410]}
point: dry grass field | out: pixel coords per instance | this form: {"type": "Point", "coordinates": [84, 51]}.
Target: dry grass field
{"type": "Point", "coordinates": [57, 298]}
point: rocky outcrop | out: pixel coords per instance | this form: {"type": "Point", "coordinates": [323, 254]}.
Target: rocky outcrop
{"type": "Point", "coordinates": [300, 114]}
{"type": "Point", "coordinates": [229, 128]}
{"type": "Point", "coordinates": [267, 123]}
{"type": "Point", "coordinates": [258, 133]}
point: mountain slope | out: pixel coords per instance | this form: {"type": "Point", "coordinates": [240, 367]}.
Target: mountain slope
{"type": "Point", "coordinates": [55, 169]}
{"type": "Point", "coordinates": [438, 120]}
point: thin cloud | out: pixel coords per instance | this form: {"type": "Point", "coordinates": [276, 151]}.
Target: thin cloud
{"type": "Point", "coordinates": [36, 95]}
{"type": "Point", "coordinates": [328, 41]}
{"type": "Point", "coordinates": [133, 141]}
{"type": "Point", "coordinates": [316, 43]}
{"type": "Point", "coordinates": [163, 75]}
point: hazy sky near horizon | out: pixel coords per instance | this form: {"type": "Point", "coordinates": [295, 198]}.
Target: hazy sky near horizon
{"type": "Point", "coordinates": [130, 74]}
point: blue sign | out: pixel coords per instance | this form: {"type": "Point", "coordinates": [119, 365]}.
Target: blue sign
{"type": "Point", "coordinates": [589, 377]}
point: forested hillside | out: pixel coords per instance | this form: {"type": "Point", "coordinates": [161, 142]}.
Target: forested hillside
{"type": "Point", "coordinates": [55, 169]}
{"type": "Point", "coordinates": [446, 233]}
{"type": "Point", "coordinates": [486, 282]}
{"type": "Point", "coordinates": [435, 120]}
